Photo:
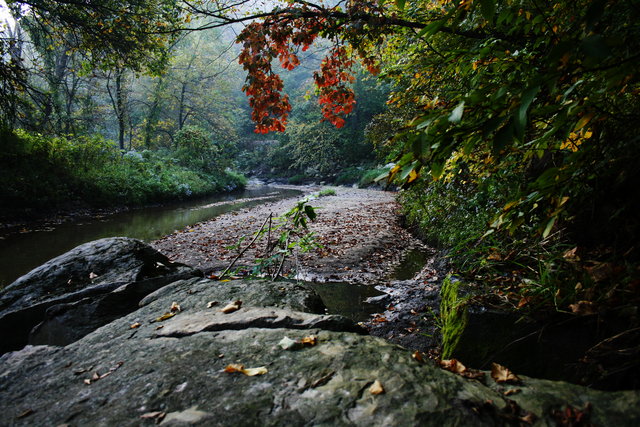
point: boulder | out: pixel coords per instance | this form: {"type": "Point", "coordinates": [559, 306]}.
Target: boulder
{"type": "Point", "coordinates": [81, 290]}
{"type": "Point", "coordinates": [167, 361]}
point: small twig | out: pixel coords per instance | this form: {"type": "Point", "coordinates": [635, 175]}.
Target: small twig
{"type": "Point", "coordinates": [245, 249]}
{"type": "Point", "coordinates": [284, 256]}
{"type": "Point", "coordinates": [268, 249]}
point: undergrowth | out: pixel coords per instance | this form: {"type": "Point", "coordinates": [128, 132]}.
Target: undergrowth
{"type": "Point", "coordinates": [46, 172]}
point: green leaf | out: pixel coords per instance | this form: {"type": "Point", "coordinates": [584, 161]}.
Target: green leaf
{"type": "Point", "coordinates": [456, 114]}
{"type": "Point", "coordinates": [436, 170]}
{"type": "Point", "coordinates": [527, 99]}
{"type": "Point", "coordinates": [432, 28]}
{"type": "Point", "coordinates": [400, 4]}
{"type": "Point", "coordinates": [503, 138]}
{"type": "Point", "coordinates": [548, 228]}
{"type": "Point", "coordinates": [488, 9]}
{"type": "Point", "coordinates": [311, 213]}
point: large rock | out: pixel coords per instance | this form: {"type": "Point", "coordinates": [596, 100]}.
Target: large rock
{"type": "Point", "coordinates": [81, 290]}
{"type": "Point", "coordinates": [173, 371]}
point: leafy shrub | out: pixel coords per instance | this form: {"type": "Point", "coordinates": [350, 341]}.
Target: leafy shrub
{"type": "Point", "coordinates": [45, 172]}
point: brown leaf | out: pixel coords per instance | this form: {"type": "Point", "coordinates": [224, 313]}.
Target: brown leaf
{"type": "Point", "coordinates": [376, 388]}
{"type": "Point", "coordinates": [512, 391]}
{"type": "Point", "coordinates": [175, 308]}
{"type": "Point", "coordinates": [417, 356]}
{"type": "Point", "coordinates": [583, 308]}
{"type": "Point", "coordinates": [571, 255]}
{"type": "Point", "coordinates": [212, 303]}
{"type": "Point", "coordinates": [87, 381]}
{"type": "Point", "coordinates": [135, 325]}
{"type": "Point", "coordinates": [523, 301]}
{"type": "Point", "coordinates": [158, 415]}
{"type": "Point", "coordinates": [231, 307]}
{"type": "Point", "coordinates": [453, 366]}
{"type": "Point", "coordinates": [25, 413]}
{"type": "Point", "coordinates": [501, 374]}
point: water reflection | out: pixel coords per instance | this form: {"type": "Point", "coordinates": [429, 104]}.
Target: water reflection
{"type": "Point", "coordinates": [19, 253]}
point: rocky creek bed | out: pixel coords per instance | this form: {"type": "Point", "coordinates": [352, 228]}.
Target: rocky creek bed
{"type": "Point", "coordinates": [117, 333]}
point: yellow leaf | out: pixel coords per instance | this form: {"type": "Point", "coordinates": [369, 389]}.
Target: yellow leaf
{"type": "Point", "coordinates": [501, 374]}
{"type": "Point", "coordinates": [165, 317]}
{"type": "Point", "coordinates": [310, 340]}
{"type": "Point", "coordinates": [135, 325]}
{"type": "Point", "coordinates": [231, 307]}
{"type": "Point", "coordinates": [583, 121]}
{"type": "Point", "coordinates": [413, 175]}
{"type": "Point", "coordinates": [250, 372]}
{"type": "Point", "coordinates": [376, 388]}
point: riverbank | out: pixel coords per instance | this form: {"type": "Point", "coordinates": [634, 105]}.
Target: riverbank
{"type": "Point", "coordinates": [360, 231]}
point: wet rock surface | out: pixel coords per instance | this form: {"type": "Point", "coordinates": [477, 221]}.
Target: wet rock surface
{"type": "Point", "coordinates": [81, 290]}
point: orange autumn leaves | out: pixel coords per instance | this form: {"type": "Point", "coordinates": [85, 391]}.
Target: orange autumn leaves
{"type": "Point", "coordinates": [280, 37]}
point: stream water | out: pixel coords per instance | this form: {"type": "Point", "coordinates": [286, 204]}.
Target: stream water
{"type": "Point", "coordinates": [21, 251]}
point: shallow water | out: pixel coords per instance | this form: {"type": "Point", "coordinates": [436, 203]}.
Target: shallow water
{"type": "Point", "coordinates": [21, 252]}
{"type": "Point", "coordinates": [348, 299]}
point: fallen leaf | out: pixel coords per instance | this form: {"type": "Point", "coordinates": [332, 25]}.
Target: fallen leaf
{"type": "Point", "coordinates": [212, 303]}
{"type": "Point", "coordinates": [135, 325]}
{"type": "Point", "coordinates": [457, 367]}
{"type": "Point", "coordinates": [175, 308]}
{"type": "Point", "coordinates": [530, 418]}
{"type": "Point", "coordinates": [512, 391]}
{"type": "Point", "coordinates": [158, 415]}
{"type": "Point", "coordinates": [570, 255]}
{"type": "Point", "coordinates": [380, 319]}
{"type": "Point", "coordinates": [92, 275]}
{"type": "Point", "coordinates": [87, 381]}
{"type": "Point", "coordinates": [583, 308]}
{"type": "Point", "coordinates": [417, 356]}
{"type": "Point", "coordinates": [159, 327]}
{"type": "Point", "coordinates": [501, 374]}
{"type": "Point", "coordinates": [311, 340]}
{"type": "Point", "coordinates": [523, 301]}
{"type": "Point", "coordinates": [453, 366]}
{"type": "Point", "coordinates": [376, 388]}
{"type": "Point", "coordinates": [231, 307]}
{"type": "Point", "coordinates": [250, 372]}
{"type": "Point", "coordinates": [25, 413]}
{"type": "Point", "coordinates": [164, 317]}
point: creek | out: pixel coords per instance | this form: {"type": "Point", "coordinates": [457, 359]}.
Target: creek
{"type": "Point", "coordinates": [22, 250]}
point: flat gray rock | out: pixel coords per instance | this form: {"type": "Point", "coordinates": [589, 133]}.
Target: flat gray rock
{"type": "Point", "coordinates": [255, 317]}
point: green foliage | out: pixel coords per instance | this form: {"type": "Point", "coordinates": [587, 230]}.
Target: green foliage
{"type": "Point", "coordinates": [327, 192]}
{"type": "Point", "coordinates": [132, 33]}
{"type": "Point", "coordinates": [45, 172]}
{"type": "Point", "coordinates": [542, 92]}
{"type": "Point", "coordinates": [453, 316]}
{"type": "Point", "coordinates": [286, 236]}
{"type": "Point", "coordinates": [197, 150]}
{"type": "Point", "coordinates": [369, 177]}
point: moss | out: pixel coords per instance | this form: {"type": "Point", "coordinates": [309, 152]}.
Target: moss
{"type": "Point", "coordinates": [453, 316]}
